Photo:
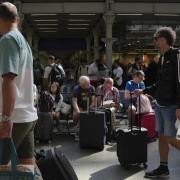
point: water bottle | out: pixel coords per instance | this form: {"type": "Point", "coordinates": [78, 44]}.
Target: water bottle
{"type": "Point", "coordinates": [177, 125]}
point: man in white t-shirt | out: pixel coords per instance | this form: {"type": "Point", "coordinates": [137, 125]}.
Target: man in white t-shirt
{"type": "Point", "coordinates": [47, 71]}
{"type": "Point", "coordinates": [17, 112]}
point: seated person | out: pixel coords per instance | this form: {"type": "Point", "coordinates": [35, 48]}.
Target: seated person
{"type": "Point", "coordinates": [58, 99]}
{"type": "Point", "coordinates": [109, 98]}
{"type": "Point", "coordinates": [82, 94]}
{"type": "Point", "coordinates": [135, 86]}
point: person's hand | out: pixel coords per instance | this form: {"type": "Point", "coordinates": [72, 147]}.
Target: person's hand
{"type": "Point", "coordinates": [138, 92]}
{"type": "Point", "coordinates": [6, 129]}
{"type": "Point", "coordinates": [178, 114]}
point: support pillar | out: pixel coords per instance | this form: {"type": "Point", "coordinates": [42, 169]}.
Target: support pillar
{"type": "Point", "coordinates": [35, 47]}
{"type": "Point", "coordinates": [109, 40]}
{"type": "Point", "coordinates": [88, 48]}
{"type": "Point", "coordinates": [96, 42]}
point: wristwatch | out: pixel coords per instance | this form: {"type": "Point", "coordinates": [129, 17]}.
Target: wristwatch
{"type": "Point", "coordinates": [5, 118]}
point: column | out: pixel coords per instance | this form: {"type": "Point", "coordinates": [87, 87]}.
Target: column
{"type": "Point", "coordinates": [29, 33]}
{"type": "Point", "coordinates": [96, 42]}
{"type": "Point", "coordinates": [109, 40]}
{"type": "Point", "coordinates": [35, 47]}
{"type": "Point", "coordinates": [88, 48]}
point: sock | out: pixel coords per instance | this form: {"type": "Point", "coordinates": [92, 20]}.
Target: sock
{"type": "Point", "coordinates": [164, 165]}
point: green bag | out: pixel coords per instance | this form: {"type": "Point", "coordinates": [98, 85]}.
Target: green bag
{"type": "Point", "coordinates": [13, 173]}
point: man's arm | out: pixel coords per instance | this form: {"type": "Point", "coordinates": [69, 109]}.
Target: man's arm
{"type": "Point", "coordinates": [9, 97]}
{"type": "Point", "coordinates": [75, 105]}
{"type": "Point", "coordinates": [93, 101]}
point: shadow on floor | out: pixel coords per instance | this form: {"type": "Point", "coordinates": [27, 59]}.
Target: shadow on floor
{"type": "Point", "coordinates": [69, 147]}
{"type": "Point", "coordinates": [115, 172]}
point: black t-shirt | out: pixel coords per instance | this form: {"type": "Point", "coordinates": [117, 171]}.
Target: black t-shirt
{"type": "Point", "coordinates": [82, 95]}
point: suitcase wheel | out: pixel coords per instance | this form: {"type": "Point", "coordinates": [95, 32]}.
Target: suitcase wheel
{"type": "Point", "coordinates": [125, 166]}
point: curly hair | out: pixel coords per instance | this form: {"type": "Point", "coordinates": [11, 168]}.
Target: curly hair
{"type": "Point", "coordinates": [166, 32]}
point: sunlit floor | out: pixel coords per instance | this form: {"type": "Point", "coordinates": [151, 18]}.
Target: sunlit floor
{"type": "Point", "coordinates": [92, 165]}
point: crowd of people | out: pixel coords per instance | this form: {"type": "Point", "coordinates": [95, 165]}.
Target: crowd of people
{"type": "Point", "coordinates": [96, 87]}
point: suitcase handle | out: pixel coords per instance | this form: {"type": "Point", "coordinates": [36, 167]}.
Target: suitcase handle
{"type": "Point", "coordinates": [138, 115]}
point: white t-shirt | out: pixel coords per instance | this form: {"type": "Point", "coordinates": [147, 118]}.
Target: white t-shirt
{"type": "Point", "coordinates": [47, 71]}
{"type": "Point", "coordinates": [16, 57]}
{"type": "Point", "coordinates": [93, 69]}
{"type": "Point", "coordinates": [118, 72]}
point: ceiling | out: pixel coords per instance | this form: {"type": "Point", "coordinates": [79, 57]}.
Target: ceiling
{"type": "Point", "coordinates": [148, 1]}
{"type": "Point", "coordinates": [127, 28]}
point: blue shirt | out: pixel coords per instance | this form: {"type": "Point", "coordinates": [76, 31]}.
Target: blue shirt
{"type": "Point", "coordinates": [131, 86]}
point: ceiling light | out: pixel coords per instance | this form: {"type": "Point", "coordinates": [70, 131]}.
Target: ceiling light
{"type": "Point", "coordinates": [47, 31]}
{"type": "Point", "coordinates": [78, 24]}
{"type": "Point", "coordinates": [77, 28]}
{"type": "Point", "coordinates": [52, 20]}
{"type": "Point", "coordinates": [47, 24]}
{"type": "Point", "coordinates": [78, 20]}
{"type": "Point", "coordinates": [82, 14]}
{"type": "Point", "coordinates": [43, 14]}
{"type": "Point", "coordinates": [166, 14]}
{"type": "Point", "coordinates": [129, 14]}
{"type": "Point", "coordinates": [47, 28]}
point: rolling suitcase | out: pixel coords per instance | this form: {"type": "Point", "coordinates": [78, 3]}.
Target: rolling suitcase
{"type": "Point", "coordinates": [92, 132]}
{"type": "Point", "coordinates": [132, 145]}
{"type": "Point", "coordinates": [54, 165]}
{"type": "Point", "coordinates": [44, 127]}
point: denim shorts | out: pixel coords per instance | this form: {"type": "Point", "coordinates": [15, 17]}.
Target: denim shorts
{"type": "Point", "coordinates": [165, 119]}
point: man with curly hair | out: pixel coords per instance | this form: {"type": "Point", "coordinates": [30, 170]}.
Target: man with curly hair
{"type": "Point", "coordinates": [167, 107]}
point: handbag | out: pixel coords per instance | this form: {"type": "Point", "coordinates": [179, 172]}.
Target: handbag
{"type": "Point", "coordinates": [14, 171]}
{"type": "Point", "coordinates": [65, 108]}
{"type": "Point", "coordinates": [145, 106]}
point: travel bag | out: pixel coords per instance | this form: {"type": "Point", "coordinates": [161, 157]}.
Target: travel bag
{"type": "Point", "coordinates": [43, 130]}
{"type": "Point", "coordinates": [54, 165]}
{"type": "Point", "coordinates": [132, 145]}
{"type": "Point", "coordinates": [92, 132]}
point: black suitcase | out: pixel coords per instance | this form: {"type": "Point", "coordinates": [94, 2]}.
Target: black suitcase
{"type": "Point", "coordinates": [109, 133]}
{"type": "Point", "coordinates": [92, 133]}
{"type": "Point", "coordinates": [132, 146]}
{"type": "Point", "coordinates": [54, 165]}
{"type": "Point", "coordinates": [44, 127]}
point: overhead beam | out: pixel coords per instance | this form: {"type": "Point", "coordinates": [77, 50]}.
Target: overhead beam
{"type": "Point", "coordinates": [99, 7]}
{"type": "Point", "coordinates": [63, 7]}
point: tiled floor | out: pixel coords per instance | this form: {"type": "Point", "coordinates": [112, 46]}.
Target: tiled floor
{"type": "Point", "coordinates": [92, 165]}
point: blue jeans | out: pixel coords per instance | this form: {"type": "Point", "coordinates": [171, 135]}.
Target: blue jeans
{"type": "Point", "coordinates": [165, 120]}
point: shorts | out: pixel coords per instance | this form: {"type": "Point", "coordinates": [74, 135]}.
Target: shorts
{"type": "Point", "coordinates": [23, 137]}
{"type": "Point", "coordinates": [165, 120]}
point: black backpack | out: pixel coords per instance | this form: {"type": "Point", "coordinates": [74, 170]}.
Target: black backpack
{"type": "Point", "coordinates": [46, 102]}
{"type": "Point", "coordinates": [56, 75]}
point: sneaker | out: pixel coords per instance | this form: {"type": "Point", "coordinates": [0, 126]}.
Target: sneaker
{"type": "Point", "coordinates": [157, 173]}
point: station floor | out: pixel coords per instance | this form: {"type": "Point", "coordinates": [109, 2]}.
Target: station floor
{"type": "Point", "coordinates": [92, 165]}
